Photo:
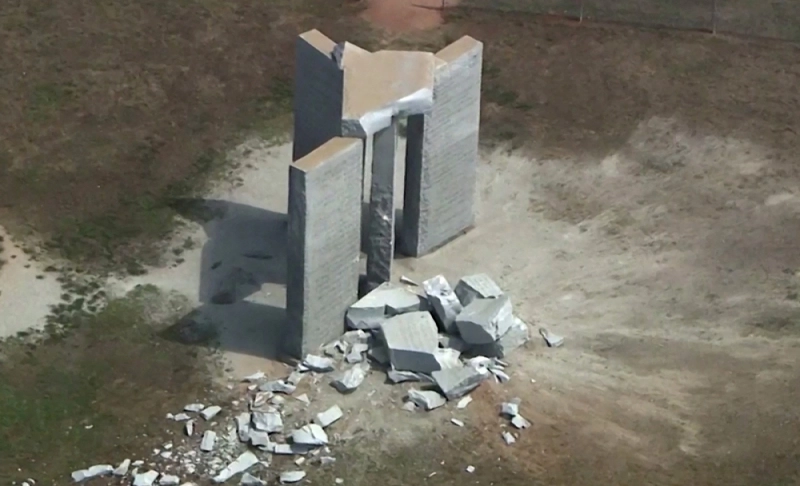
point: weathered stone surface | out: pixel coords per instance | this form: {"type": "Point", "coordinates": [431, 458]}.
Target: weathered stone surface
{"type": "Point", "coordinates": [484, 321]}
{"type": "Point", "coordinates": [350, 379]}
{"type": "Point", "coordinates": [457, 382]}
{"type": "Point", "coordinates": [380, 222]}
{"type": "Point", "coordinates": [260, 439]}
{"type": "Point", "coordinates": [448, 358]}
{"type": "Point", "coordinates": [239, 465]}
{"type": "Point", "coordinates": [270, 422]}
{"type": "Point", "coordinates": [478, 286]}
{"type": "Point", "coordinates": [311, 434]}
{"type": "Point", "coordinates": [320, 364]}
{"type": "Point", "coordinates": [517, 335]}
{"type": "Point", "coordinates": [426, 399]}
{"type": "Point", "coordinates": [443, 301]}
{"type": "Point", "coordinates": [323, 258]}
{"type": "Point", "coordinates": [385, 301]}
{"type": "Point", "coordinates": [442, 153]}
{"type": "Point", "coordinates": [412, 341]}
{"type": "Point", "coordinates": [329, 416]}
{"type": "Point", "coordinates": [396, 376]}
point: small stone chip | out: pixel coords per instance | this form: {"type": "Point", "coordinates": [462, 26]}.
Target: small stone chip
{"type": "Point", "coordinates": [329, 416]}
{"type": "Point", "coordinates": [209, 439]}
{"type": "Point", "coordinates": [410, 406]}
{"type": "Point", "coordinates": [356, 354]}
{"type": "Point", "coordinates": [243, 426]}
{"type": "Point", "coordinates": [294, 378]}
{"type": "Point", "coordinates": [250, 480]}
{"type": "Point", "coordinates": [277, 386]}
{"type": "Point", "coordinates": [520, 422]}
{"type": "Point", "coordinates": [457, 382]}
{"type": "Point", "coordinates": [311, 434]}
{"type": "Point", "coordinates": [444, 301]}
{"type": "Point", "coordinates": [303, 398]}
{"type": "Point", "coordinates": [508, 438]}
{"type": "Point", "coordinates": [500, 375]}
{"type": "Point", "coordinates": [181, 417]}
{"type": "Point", "coordinates": [194, 407]}
{"type": "Point", "coordinates": [319, 364]}
{"type": "Point", "coordinates": [464, 402]}
{"type": "Point", "coordinates": [122, 469]}
{"type": "Point", "coordinates": [210, 412]}
{"type": "Point", "coordinates": [509, 409]}
{"type": "Point", "coordinates": [479, 286]}
{"type": "Point", "coordinates": [240, 465]}
{"type": "Point", "coordinates": [257, 376]}
{"type": "Point", "coordinates": [552, 340]}
{"type": "Point", "coordinates": [188, 427]}
{"type": "Point", "coordinates": [457, 422]}
{"type": "Point", "coordinates": [426, 399]}
{"type": "Point", "coordinates": [145, 479]}
{"type": "Point", "coordinates": [350, 379]}
{"type": "Point", "coordinates": [292, 476]}
{"type": "Point", "coordinates": [270, 422]}
{"type": "Point", "coordinates": [291, 449]}
{"type": "Point", "coordinates": [169, 480]}
{"type": "Point", "coordinates": [92, 472]}
{"type": "Point", "coordinates": [470, 469]}
{"type": "Point", "coordinates": [260, 439]}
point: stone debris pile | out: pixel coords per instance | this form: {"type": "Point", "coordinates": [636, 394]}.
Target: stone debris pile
{"type": "Point", "coordinates": [445, 341]}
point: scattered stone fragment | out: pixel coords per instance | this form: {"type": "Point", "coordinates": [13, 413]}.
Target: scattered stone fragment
{"type": "Point", "coordinates": [552, 340]}
{"type": "Point", "coordinates": [326, 460]}
{"type": "Point", "coordinates": [500, 375]}
{"type": "Point", "coordinates": [208, 441]}
{"type": "Point", "coordinates": [470, 469]}
{"type": "Point", "coordinates": [210, 412]}
{"type": "Point", "coordinates": [484, 321]}
{"type": "Point", "coordinates": [137, 463]}
{"type": "Point", "coordinates": [480, 363]}
{"type": "Point", "coordinates": [464, 402]}
{"type": "Point", "coordinates": [410, 406]}
{"type": "Point", "coordinates": [299, 461]}
{"type": "Point", "coordinates": [479, 286]}
{"type": "Point", "coordinates": [250, 480]}
{"type": "Point", "coordinates": [508, 438]}
{"type": "Point", "coordinates": [379, 354]}
{"type": "Point", "coordinates": [270, 422]}
{"type": "Point", "coordinates": [426, 399]}
{"type": "Point", "coordinates": [520, 422]}
{"type": "Point", "coordinates": [356, 336]}
{"type": "Point", "coordinates": [188, 427]}
{"type": "Point", "coordinates": [444, 302]}
{"type": "Point", "coordinates": [319, 364]}
{"type": "Point", "coordinates": [412, 340]}
{"type": "Point", "coordinates": [396, 376]}
{"type": "Point", "coordinates": [408, 281]}
{"type": "Point", "coordinates": [386, 300]}
{"type": "Point", "coordinates": [122, 469]}
{"type": "Point", "coordinates": [457, 382]}
{"type": "Point", "coordinates": [291, 449]}
{"type": "Point", "coordinates": [509, 409]}
{"type": "Point", "coordinates": [194, 407]}
{"type": "Point", "coordinates": [166, 454]}
{"type": "Point", "coordinates": [181, 417]}
{"type": "Point", "coordinates": [453, 342]}
{"type": "Point", "coordinates": [329, 416]}
{"type": "Point", "coordinates": [169, 480]}
{"type": "Point", "coordinates": [517, 335]}
{"type": "Point", "coordinates": [350, 379]}
{"type": "Point", "coordinates": [311, 434]}
{"type": "Point", "coordinates": [278, 386]}
{"type": "Point", "coordinates": [294, 378]}
{"type": "Point", "coordinates": [243, 426]}
{"type": "Point", "coordinates": [92, 472]}
{"type": "Point", "coordinates": [292, 476]}
{"type": "Point", "coordinates": [338, 481]}
{"type": "Point", "coordinates": [356, 354]}
{"type": "Point", "coordinates": [257, 376]}
{"type": "Point", "coordinates": [303, 398]}
{"type": "Point", "coordinates": [278, 400]}
{"type": "Point", "coordinates": [260, 439]}
{"type": "Point", "coordinates": [240, 465]}
{"type": "Point", "coordinates": [457, 422]}
{"type": "Point", "coordinates": [145, 479]}
{"type": "Point", "coordinates": [448, 358]}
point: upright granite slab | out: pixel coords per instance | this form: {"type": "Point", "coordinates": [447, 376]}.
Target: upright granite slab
{"type": "Point", "coordinates": [380, 226]}
{"type": "Point", "coordinates": [442, 153]}
{"type": "Point", "coordinates": [323, 243]}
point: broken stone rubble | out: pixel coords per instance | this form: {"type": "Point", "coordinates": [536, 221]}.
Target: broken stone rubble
{"type": "Point", "coordinates": [387, 300]}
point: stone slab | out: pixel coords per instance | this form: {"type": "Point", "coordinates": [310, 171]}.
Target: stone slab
{"type": "Point", "coordinates": [380, 222]}
{"type": "Point", "coordinates": [412, 342]}
{"type": "Point", "coordinates": [485, 320]}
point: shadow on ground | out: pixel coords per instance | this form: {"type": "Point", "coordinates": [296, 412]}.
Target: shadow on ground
{"type": "Point", "coordinates": [241, 279]}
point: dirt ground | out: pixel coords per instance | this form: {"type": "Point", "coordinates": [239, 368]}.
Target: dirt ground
{"type": "Point", "coordinates": [643, 201]}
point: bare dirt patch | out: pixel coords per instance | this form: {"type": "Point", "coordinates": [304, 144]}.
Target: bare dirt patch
{"type": "Point", "coordinates": [397, 16]}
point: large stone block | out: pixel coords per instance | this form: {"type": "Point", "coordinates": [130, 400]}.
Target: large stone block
{"type": "Point", "coordinates": [318, 93]}
{"type": "Point", "coordinates": [323, 245]}
{"type": "Point", "coordinates": [442, 153]}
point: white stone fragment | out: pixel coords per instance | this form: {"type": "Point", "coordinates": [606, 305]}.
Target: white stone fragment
{"type": "Point", "coordinates": [509, 409]}
{"type": "Point", "coordinates": [319, 364]}
{"type": "Point", "coordinates": [462, 404]}
{"type": "Point", "coordinates": [356, 336]}
{"type": "Point", "coordinates": [485, 320]}
{"type": "Point", "coordinates": [409, 406]}
{"type": "Point", "coordinates": [356, 354]}
{"type": "Point", "coordinates": [326, 460]}
{"type": "Point", "coordinates": [350, 379]}
{"type": "Point", "coordinates": [500, 375]}
{"type": "Point", "coordinates": [457, 422]}
{"type": "Point", "coordinates": [552, 340]}
{"type": "Point", "coordinates": [243, 426]}
{"type": "Point", "coordinates": [92, 472]}
{"type": "Point", "coordinates": [443, 301]}
{"type": "Point", "coordinates": [240, 465]}
{"type": "Point", "coordinates": [479, 286]}
{"type": "Point", "coordinates": [520, 422]}
{"type": "Point", "coordinates": [257, 376]}
{"type": "Point", "coordinates": [250, 480]}
{"type": "Point", "coordinates": [278, 400]}
{"type": "Point", "coordinates": [137, 463]}
{"type": "Point", "coordinates": [303, 398]}
{"type": "Point", "coordinates": [277, 386]}
{"type": "Point", "coordinates": [208, 441]}
{"type": "Point", "coordinates": [338, 481]}
{"type": "Point", "coordinates": [311, 434]}
{"type": "Point", "coordinates": [292, 476]}
{"type": "Point", "coordinates": [426, 399]}
{"type": "Point", "coordinates": [396, 376]}
{"type": "Point", "coordinates": [517, 335]}
{"type": "Point", "coordinates": [457, 382]}
{"type": "Point", "coordinates": [412, 340]}
{"type": "Point", "coordinates": [169, 480]}
{"type": "Point", "coordinates": [122, 469]}
{"type": "Point", "coordinates": [329, 416]}
{"type": "Point", "coordinates": [291, 449]}
{"type": "Point", "coordinates": [210, 412]}
{"type": "Point", "coordinates": [448, 358]}
{"type": "Point", "coordinates": [270, 422]}
{"type": "Point", "coordinates": [294, 378]}
{"type": "Point", "coordinates": [470, 469]}
{"type": "Point", "coordinates": [508, 438]}
{"type": "Point", "coordinates": [188, 427]}
{"type": "Point", "coordinates": [145, 479]}
{"type": "Point", "coordinates": [181, 417]}
{"type": "Point", "coordinates": [260, 439]}
{"type": "Point", "coordinates": [386, 300]}
{"type": "Point", "coordinates": [194, 407]}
